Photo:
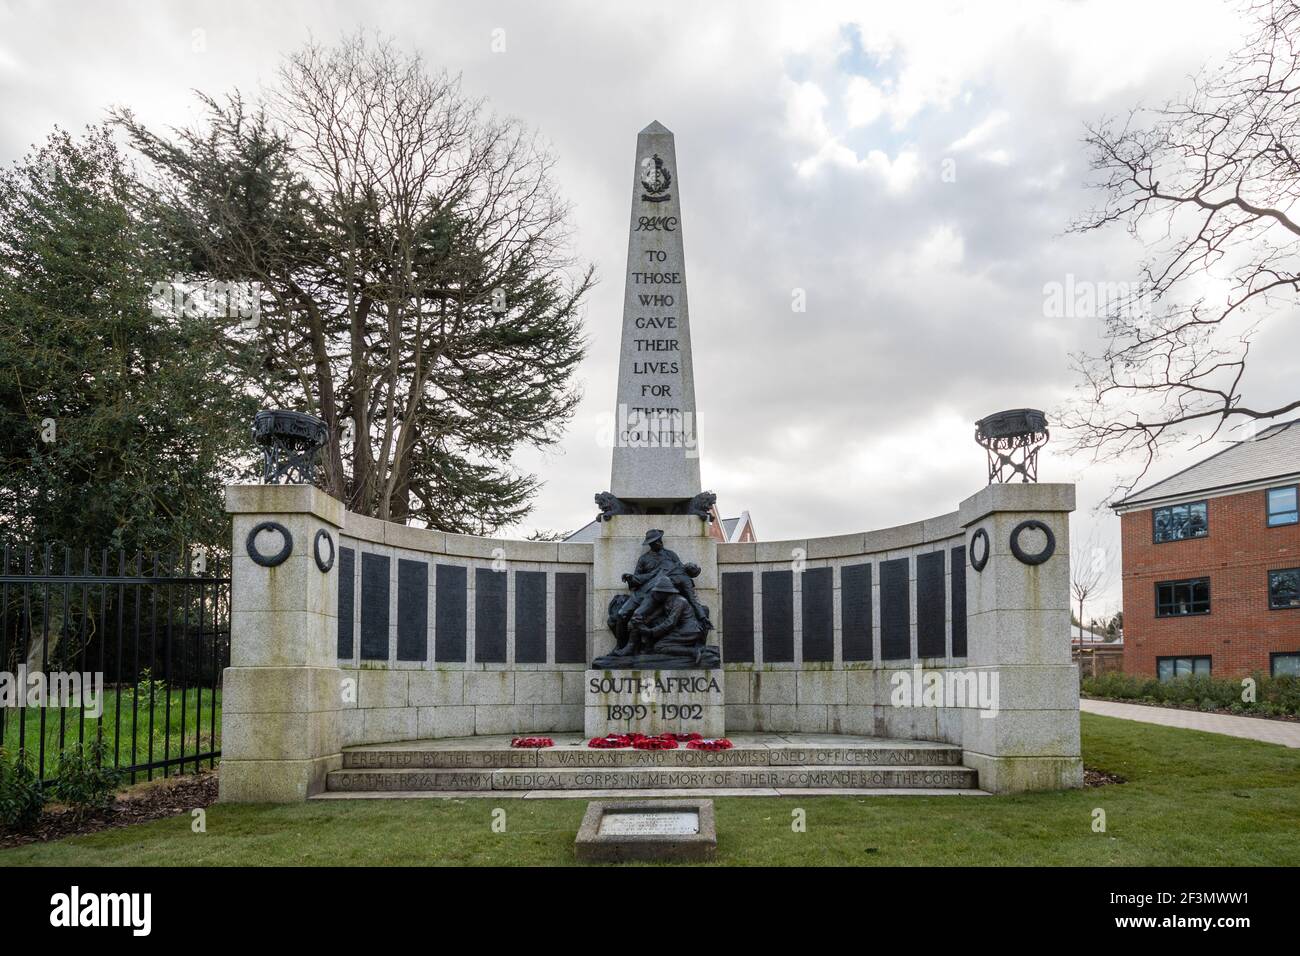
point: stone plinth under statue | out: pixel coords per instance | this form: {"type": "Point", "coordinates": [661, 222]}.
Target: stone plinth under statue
{"type": "Point", "coordinates": [659, 622]}
{"type": "Point", "coordinates": [674, 626]}
{"type": "Point", "coordinates": [634, 693]}
{"type": "Point", "coordinates": [654, 702]}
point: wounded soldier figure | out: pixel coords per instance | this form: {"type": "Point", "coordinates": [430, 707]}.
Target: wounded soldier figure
{"type": "Point", "coordinates": [670, 625]}
{"type": "Point", "coordinates": [661, 623]}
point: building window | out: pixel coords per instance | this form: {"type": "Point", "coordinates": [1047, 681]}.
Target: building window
{"type": "Point", "coordinates": [1177, 598]}
{"type": "Point", "coordinates": [1284, 588]}
{"type": "Point", "coordinates": [1167, 668]}
{"type": "Point", "coordinates": [1282, 506]}
{"type": "Point", "coordinates": [1179, 522]}
{"type": "Point", "coordinates": [1285, 665]}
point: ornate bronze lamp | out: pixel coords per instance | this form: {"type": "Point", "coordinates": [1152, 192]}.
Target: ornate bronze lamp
{"type": "Point", "coordinates": [289, 441]}
{"type": "Point", "coordinates": [1012, 439]}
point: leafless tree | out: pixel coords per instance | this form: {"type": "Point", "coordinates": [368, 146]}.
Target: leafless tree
{"type": "Point", "coordinates": [1089, 575]}
{"type": "Point", "coordinates": [412, 247]}
{"type": "Point", "coordinates": [1208, 183]}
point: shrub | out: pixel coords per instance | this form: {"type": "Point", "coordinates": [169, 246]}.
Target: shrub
{"type": "Point", "coordinates": [21, 795]}
{"type": "Point", "coordinates": [1281, 692]}
{"type": "Point", "coordinates": [147, 686]}
{"type": "Point", "coordinates": [87, 780]}
{"type": "Point", "coordinates": [1274, 696]}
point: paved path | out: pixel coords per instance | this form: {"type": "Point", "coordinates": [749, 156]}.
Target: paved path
{"type": "Point", "coordinates": [1284, 732]}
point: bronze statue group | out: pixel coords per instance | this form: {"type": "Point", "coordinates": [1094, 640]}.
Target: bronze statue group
{"type": "Point", "coordinates": [660, 623]}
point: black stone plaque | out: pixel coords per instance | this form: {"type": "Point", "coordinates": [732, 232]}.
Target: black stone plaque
{"type": "Point", "coordinates": [738, 616]}
{"type": "Point", "coordinates": [895, 610]}
{"type": "Point", "coordinates": [449, 617]}
{"type": "Point", "coordinates": [374, 607]}
{"type": "Point", "coordinates": [818, 616]}
{"type": "Point", "coordinates": [412, 610]}
{"type": "Point", "coordinates": [959, 601]}
{"type": "Point", "coordinates": [931, 603]}
{"type": "Point", "coordinates": [855, 611]}
{"type": "Point", "coordinates": [778, 616]}
{"type": "Point", "coordinates": [347, 600]}
{"type": "Point", "coordinates": [570, 617]}
{"type": "Point", "coordinates": [530, 617]}
{"type": "Point", "coordinates": [489, 616]}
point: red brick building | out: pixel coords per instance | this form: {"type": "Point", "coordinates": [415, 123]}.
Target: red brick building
{"type": "Point", "coordinates": [1212, 564]}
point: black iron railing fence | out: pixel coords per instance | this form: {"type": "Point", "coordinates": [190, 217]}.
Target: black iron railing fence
{"type": "Point", "coordinates": [132, 647]}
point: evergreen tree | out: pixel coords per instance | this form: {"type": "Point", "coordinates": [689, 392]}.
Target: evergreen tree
{"type": "Point", "coordinates": [120, 422]}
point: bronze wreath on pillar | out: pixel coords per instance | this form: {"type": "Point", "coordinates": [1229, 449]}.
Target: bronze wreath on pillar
{"type": "Point", "coordinates": [1033, 524]}
{"type": "Point", "coordinates": [323, 535]}
{"type": "Point", "coordinates": [978, 563]}
{"type": "Point", "coordinates": [250, 543]}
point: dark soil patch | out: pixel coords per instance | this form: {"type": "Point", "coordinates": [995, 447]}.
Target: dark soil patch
{"type": "Point", "coordinates": [150, 801]}
{"type": "Point", "coordinates": [1092, 777]}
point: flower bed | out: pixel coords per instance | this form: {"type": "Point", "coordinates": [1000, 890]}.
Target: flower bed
{"type": "Point", "coordinates": [1277, 697]}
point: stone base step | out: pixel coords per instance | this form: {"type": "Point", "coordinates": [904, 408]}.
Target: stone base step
{"type": "Point", "coordinates": [821, 777]}
{"type": "Point", "coordinates": [637, 794]}
{"type": "Point", "coordinates": [571, 752]}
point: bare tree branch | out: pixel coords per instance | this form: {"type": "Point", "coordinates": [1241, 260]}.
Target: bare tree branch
{"type": "Point", "coordinates": [415, 252]}
{"type": "Point", "coordinates": [1209, 184]}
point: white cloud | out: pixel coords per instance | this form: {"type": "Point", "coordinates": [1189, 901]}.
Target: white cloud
{"type": "Point", "coordinates": [805, 115]}
{"type": "Point", "coordinates": [805, 107]}
{"type": "Point", "coordinates": [864, 102]}
{"type": "Point", "coordinates": [943, 248]}
{"type": "Point", "coordinates": [980, 133]}
{"type": "Point", "coordinates": [897, 174]}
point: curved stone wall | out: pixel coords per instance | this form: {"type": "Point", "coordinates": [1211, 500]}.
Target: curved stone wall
{"type": "Point", "coordinates": [457, 635]}
{"type": "Point", "coordinates": [449, 635]}
{"type": "Point", "coordinates": [814, 629]}
{"type": "Point", "coordinates": [410, 634]}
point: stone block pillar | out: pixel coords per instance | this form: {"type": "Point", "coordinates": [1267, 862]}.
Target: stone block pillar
{"type": "Point", "coordinates": [282, 694]}
{"type": "Point", "coordinates": [619, 546]}
{"type": "Point", "coordinates": [1018, 628]}
{"type": "Point", "coordinates": [673, 700]}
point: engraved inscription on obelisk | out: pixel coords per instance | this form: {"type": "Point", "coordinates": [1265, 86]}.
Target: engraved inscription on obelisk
{"type": "Point", "coordinates": [656, 455]}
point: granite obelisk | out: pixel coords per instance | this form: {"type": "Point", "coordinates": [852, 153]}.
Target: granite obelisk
{"type": "Point", "coordinates": [656, 453]}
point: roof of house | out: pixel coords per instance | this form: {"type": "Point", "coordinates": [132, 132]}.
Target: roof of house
{"type": "Point", "coordinates": [1096, 641]}
{"type": "Point", "coordinates": [733, 529]}
{"type": "Point", "coordinates": [1272, 454]}
{"type": "Point", "coordinates": [587, 533]}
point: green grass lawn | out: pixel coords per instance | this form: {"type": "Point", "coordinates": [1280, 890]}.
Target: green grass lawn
{"type": "Point", "coordinates": [165, 734]}
{"type": "Point", "coordinates": [1192, 799]}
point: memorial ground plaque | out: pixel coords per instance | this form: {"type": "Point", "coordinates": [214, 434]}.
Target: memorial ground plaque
{"type": "Point", "coordinates": [649, 830]}
{"type": "Point", "coordinates": [650, 823]}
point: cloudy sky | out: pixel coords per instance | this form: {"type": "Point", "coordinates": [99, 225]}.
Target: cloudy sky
{"type": "Point", "coordinates": [812, 143]}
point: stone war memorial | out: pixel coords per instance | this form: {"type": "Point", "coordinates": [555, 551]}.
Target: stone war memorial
{"type": "Point", "coordinates": [373, 658]}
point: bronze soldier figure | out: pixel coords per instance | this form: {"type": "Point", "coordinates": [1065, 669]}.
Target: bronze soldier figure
{"type": "Point", "coordinates": [661, 621]}
{"type": "Point", "coordinates": [669, 625]}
